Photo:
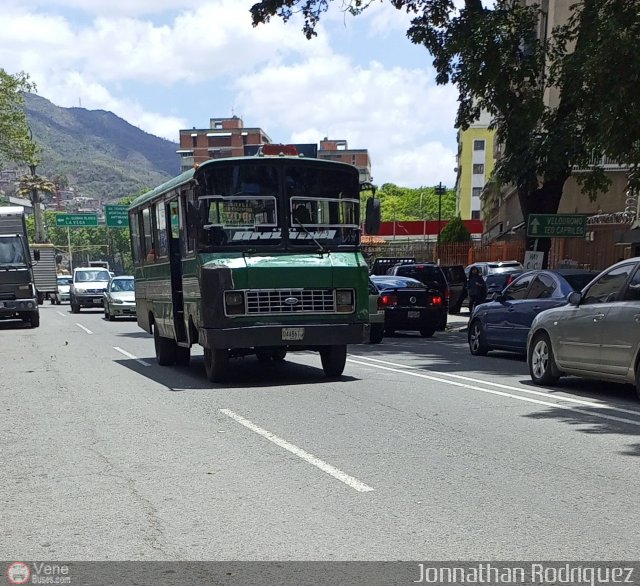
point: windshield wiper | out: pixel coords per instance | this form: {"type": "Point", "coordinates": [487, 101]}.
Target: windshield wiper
{"type": "Point", "coordinates": [320, 247]}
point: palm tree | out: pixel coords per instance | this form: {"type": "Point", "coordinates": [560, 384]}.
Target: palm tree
{"type": "Point", "coordinates": [30, 186]}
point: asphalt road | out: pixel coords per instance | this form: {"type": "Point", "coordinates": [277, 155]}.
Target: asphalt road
{"type": "Point", "coordinates": [421, 451]}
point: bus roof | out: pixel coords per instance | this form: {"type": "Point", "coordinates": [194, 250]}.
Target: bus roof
{"type": "Point", "coordinates": [188, 176]}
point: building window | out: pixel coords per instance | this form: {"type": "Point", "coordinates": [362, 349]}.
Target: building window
{"type": "Point", "coordinates": [475, 215]}
{"type": "Point", "coordinates": [476, 192]}
{"type": "Point", "coordinates": [478, 169]}
{"type": "Point", "coordinates": [478, 145]}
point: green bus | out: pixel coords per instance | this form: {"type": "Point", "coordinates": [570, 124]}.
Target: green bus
{"type": "Point", "coordinates": [255, 256]}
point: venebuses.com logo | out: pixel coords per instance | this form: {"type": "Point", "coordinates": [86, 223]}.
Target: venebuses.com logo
{"type": "Point", "coordinates": [18, 573]}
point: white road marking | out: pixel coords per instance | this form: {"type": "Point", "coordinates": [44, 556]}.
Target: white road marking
{"type": "Point", "coordinates": [499, 393]}
{"type": "Point", "coordinates": [129, 355]}
{"type": "Point", "coordinates": [85, 329]}
{"type": "Point", "coordinates": [60, 313]}
{"type": "Point", "coordinates": [306, 456]}
{"type": "Point", "coordinates": [597, 404]}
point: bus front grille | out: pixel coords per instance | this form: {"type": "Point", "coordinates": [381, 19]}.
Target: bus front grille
{"type": "Point", "coordinates": [291, 301]}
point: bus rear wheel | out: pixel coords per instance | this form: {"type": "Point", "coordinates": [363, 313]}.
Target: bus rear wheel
{"type": "Point", "coordinates": [165, 348]}
{"type": "Point", "coordinates": [333, 360]}
{"type": "Point", "coordinates": [215, 364]}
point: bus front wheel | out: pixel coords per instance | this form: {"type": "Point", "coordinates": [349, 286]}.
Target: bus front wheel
{"type": "Point", "coordinates": [215, 364]}
{"type": "Point", "coordinates": [333, 359]}
{"type": "Point", "coordinates": [165, 348]}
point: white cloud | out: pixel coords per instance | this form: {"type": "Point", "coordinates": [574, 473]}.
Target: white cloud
{"type": "Point", "coordinates": [297, 90]}
{"type": "Point", "coordinates": [404, 121]}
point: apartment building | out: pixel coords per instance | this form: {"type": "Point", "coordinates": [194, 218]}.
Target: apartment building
{"type": "Point", "coordinates": [225, 137]}
{"type": "Point", "coordinates": [338, 150]}
{"type": "Point", "coordinates": [228, 137]}
{"type": "Point", "coordinates": [474, 166]}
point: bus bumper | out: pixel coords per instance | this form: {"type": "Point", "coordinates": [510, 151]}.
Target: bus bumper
{"type": "Point", "coordinates": [294, 336]}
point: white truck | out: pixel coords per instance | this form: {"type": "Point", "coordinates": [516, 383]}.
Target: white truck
{"type": "Point", "coordinates": [18, 298]}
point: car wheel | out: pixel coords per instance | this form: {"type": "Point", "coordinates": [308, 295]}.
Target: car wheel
{"type": "Point", "coordinates": [58, 302]}
{"type": "Point", "coordinates": [75, 308]}
{"type": "Point", "coordinates": [279, 355]}
{"type": "Point", "coordinates": [376, 333]}
{"type": "Point", "coordinates": [333, 359]}
{"type": "Point", "coordinates": [477, 343]}
{"type": "Point", "coordinates": [110, 315]}
{"type": "Point", "coordinates": [442, 324]}
{"type": "Point", "coordinates": [216, 363]}
{"type": "Point", "coordinates": [427, 332]}
{"type": "Point", "coordinates": [165, 348]}
{"type": "Point", "coordinates": [542, 364]}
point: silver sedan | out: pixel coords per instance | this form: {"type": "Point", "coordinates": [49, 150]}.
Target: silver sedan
{"type": "Point", "coordinates": [597, 335]}
{"type": "Point", "coordinates": [119, 298]}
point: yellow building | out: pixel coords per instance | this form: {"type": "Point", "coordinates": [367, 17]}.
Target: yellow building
{"type": "Point", "coordinates": [475, 165]}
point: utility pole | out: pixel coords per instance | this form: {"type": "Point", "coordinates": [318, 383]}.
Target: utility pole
{"type": "Point", "coordinates": [440, 191]}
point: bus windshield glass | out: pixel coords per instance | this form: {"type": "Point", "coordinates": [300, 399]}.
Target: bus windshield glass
{"type": "Point", "coordinates": [245, 204]}
{"type": "Point", "coordinates": [12, 252]}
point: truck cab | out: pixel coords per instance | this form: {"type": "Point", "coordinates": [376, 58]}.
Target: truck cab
{"type": "Point", "coordinates": [18, 299]}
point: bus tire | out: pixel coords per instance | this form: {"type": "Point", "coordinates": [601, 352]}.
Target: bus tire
{"type": "Point", "coordinates": [165, 348]}
{"type": "Point", "coordinates": [333, 360]}
{"type": "Point", "coordinates": [216, 362]}
{"type": "Point", "coordinates": [183, 355]}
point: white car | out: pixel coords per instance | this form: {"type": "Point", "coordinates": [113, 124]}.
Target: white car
{"type": "Point", "coordinates": [64, 287]}
{"type": "Point", "coordinates": [120, 298]}
{"type": "Point", "coordinates": [87, 287]}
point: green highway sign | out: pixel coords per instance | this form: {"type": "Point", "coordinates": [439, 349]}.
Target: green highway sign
{"type": "Point", "coordinates": [116, 216]}
{"type": "Point", "coordinates": [76, 220]}
{"type": "Point", "coordinates": [556, 225]}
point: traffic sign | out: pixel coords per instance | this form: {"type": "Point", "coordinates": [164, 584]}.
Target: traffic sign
{"type": "Point", "coordinates": [116, 216]}
{"type": "Point", "coordinates": [556, 225]}
{"type": "Point", "coordinates": [76, 220]}
{"type": "Point", "coordinates": [533, 260]}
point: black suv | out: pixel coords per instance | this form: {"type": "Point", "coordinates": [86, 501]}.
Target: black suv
{"type": "Point", "coordinates": [432, 276]}
{"type": "Point", "coordinates": [457, 281]}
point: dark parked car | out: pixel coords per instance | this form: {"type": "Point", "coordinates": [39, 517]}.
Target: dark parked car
{"type": "Point", "coordinates": [504, 323]}
{"type": "Point", "coordinates": [457, 281]}
{"type": "Point", "coordinates": [409, 305]}
{"type": "Point", "coordinates": [433, 277]}
{"type": "Point", "coordinates": [496, 267]}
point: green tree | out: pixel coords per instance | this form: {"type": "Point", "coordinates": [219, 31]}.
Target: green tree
{"type": "Point", "coordinates": [498, 63]}
{"type": "Point", "coordinates": [455, 231]}
{"type": "Point", "coordinates": [16, 144]}
{"type": "Point", "coordinates": [31, 187]}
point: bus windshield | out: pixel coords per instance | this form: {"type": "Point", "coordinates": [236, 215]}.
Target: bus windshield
{"type": "Point", "coordinates": [246, 204]}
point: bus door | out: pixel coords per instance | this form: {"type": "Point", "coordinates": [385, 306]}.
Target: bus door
{"type": "Point", "coordinates": [175, 262]}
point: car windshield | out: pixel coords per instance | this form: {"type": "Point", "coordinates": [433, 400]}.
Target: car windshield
{"type": "Point", "coordinates": [12, 252]}
{"type": "Point", "coordinates": [503, 268]}
{"type": "Point", "coordinates": [92, 276]}
{"type": "Point", "coordinates": [122, 285]}
{"type": "Point", "coordinates": [64, 280]}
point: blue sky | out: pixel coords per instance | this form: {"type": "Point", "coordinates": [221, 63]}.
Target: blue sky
{"type": "Point", "coordinates": [164, 65]}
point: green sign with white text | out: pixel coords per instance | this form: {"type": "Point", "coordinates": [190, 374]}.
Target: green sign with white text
{"type": "Point", "coordinates": [556, 225]}
{"type": "Point", "coordinates": [116, 216]}
{"type": "Point", "coordinates": [76, 220]}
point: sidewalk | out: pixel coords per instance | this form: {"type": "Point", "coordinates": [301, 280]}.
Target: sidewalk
{"type": "Point", "coordinates": [458, 322]}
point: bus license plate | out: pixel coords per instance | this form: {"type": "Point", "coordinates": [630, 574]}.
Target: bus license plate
{"type": "Point", "coordinates": [292, 334]}
{"type": "Point", "coordinates": [413, 314]}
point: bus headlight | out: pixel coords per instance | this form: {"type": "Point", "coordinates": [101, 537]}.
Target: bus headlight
{"type": "Point", "coordinates": [234, 302]}
{"type": "Point", "coordinates": [344, 300]}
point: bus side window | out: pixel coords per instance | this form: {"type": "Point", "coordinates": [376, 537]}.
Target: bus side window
{"type": "Point", "coordinates": [147, 235]}
{"type": "Point", "coordinates": [188, 239]}
{"type": "Point", "coordinates": [174, 219]}
{"type": "Point", "coordinates": [136, 243]}
{"type": "Point", "coordinates": [162, 249]}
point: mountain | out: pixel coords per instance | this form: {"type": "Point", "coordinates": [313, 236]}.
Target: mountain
{"type": "Point", "coordinates": [103, 156]}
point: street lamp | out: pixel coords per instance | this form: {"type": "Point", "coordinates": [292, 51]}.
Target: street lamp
{"type": "Point", "coordinates": [440, 191]}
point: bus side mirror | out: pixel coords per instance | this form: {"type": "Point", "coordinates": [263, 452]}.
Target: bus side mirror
{"type": "Point", "coordinates": [36, 255]}
{"type": "Point", "coordinates": [372, 216]}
